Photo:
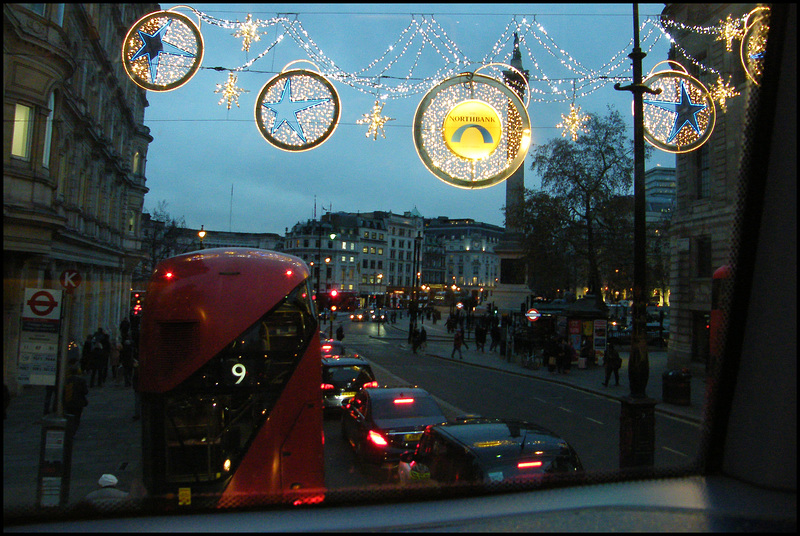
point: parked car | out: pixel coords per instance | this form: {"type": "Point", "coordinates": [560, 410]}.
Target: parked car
{"type": "Point", "coordinates": [485, 452]}
{"type": "Point", "coordinates": [382, 423]}
{"type": "Point", "coordinates": [342, 379]}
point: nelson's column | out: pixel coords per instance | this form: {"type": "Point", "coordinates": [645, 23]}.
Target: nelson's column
{"type": "Point", "coordinates": [511, 292]}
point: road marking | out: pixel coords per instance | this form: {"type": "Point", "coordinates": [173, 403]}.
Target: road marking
{"type": "Point", "coordinates": [565, 409]}
{"type": "Point", "coordinates": [675, 452]}
{"type": "Point", "coordinates": [540, 400]}
{"type": "Point", "coordinates": [593, 420]}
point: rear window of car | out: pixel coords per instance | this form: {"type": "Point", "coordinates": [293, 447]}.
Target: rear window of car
{"type": "Point", "coordinates": [404, 407]}
{"type": "Point", "coordinates": [345, 374]}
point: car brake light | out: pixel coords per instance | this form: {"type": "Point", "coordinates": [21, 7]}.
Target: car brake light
{"type": "Point", "coordinates": [528, 465]}
{"type": "Point", "coordinates": [404, 401]}
{"type": "Point", "coordinates": [326, 386]}
{"type": "Point", "coordinates": [377, 438]}
{"type": "Point", "coordinates": [326, 347]}
{"type": "Point", "coordinates": [371, 384]}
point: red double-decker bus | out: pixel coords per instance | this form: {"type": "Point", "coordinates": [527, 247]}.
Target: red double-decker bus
{"type": "Point", "coordinates": [229, 376]}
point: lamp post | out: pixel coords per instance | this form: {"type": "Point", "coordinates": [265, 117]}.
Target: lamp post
{"type": "Point", "coordinates": [202, 235]}
{"type": "Point", "coordinates": [637, 416]}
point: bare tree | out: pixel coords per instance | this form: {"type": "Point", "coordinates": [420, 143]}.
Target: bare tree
{"type": "Point", "coordinates": [585, 175]}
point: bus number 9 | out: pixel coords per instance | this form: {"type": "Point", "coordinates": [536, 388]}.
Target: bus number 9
{"type": "Point", "coordinates": [239, 371]}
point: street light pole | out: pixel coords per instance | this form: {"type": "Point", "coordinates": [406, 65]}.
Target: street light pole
{"type": "Point", "coordinates": [637, 417]}
{"type": "Point", "coordinates": [202, 235]}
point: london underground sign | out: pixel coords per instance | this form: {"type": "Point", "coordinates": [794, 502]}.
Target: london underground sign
{"type": "Point", "coordinates": [39, 336]}
{"type": "Point", "coordinates": [533, 315]}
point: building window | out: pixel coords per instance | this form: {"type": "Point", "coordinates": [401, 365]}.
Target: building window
{"type": "Point", "coordinates": [703, 172]}
{"type": "Point", "coordinates": [380, 251]}
{"type": "Point", "coordinates": [21, 138]}
{"type": "Point", "coordinates": [344, 245]}
{"type": "Point", "coordinates": [703, 257]}
{"type": "Point", "coordinates": [136, 163]}
{"type": "Point", "coordinates": [365, 250]}
{"type": "Point", "coordinates": [48, 132]}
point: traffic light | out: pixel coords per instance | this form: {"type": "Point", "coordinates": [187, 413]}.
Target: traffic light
{"type": "Point", "coordinates": [334, 299]}
{"type": "Point", "coordinates": [137, 301]}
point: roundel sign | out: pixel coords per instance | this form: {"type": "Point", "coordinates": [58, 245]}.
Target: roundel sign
{"type": "Point", "coordinates": [472, 129]}
{"type": "Point", "coordinates": [533, 315]}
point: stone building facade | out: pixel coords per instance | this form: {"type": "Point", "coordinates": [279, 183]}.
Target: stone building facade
{"type": "Point", "coordinates": [74, 154]}
{"type": "Point", "coordinates": [707, 182]}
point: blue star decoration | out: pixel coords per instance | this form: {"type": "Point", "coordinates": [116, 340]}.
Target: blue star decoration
{"type": "Point", "coordinates": [286, 110]}
{"type": "Point", "coordinates": [685, 112]}
{"type": "Point", "coordinates": [153, 45]}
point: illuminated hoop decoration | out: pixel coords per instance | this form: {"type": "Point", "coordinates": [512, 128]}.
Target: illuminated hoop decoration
{"type": "Point", "coordinates": [682, 117]}
{"type": "Point", "coordinates": [162, 51]}
{"type": "Point", "coordinates": [754, 43]}
{"type": "Point", "coordinates": [298, 109]}
{"type": "Point", "coordinates": [472, 131]}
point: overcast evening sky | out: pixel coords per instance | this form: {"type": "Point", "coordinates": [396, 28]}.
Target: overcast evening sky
{"type": "Point", "coordinates": [201, 151]}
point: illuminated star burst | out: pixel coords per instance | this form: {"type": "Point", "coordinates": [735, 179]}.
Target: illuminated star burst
{"type": "Point", "coordinates": [229, 91]}
{"type": "Point", "coordinates": [573, 123]}
{"type": "Point", "coordinates": [722, 91]}
{"type": "Point", "coordinates": [248, 32]}
{"type": "Point", "coordinates": [375, 121]}
{"type": "Point", "coordinates": [729, 30]}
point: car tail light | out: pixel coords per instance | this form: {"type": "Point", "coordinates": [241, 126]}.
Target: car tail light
{"type": "Point", "coordinates": [403, 400]}
{"type": "Point", "coordinates": [371, 384]}
{"type": "Point", "coordinates": [377, 439]}
{"type": "Point", "coordinates": [528, 465]}
{"type": "Point", "coordinates": [326, 347]}
{"type": "Point", "coordinates": [326, 386]}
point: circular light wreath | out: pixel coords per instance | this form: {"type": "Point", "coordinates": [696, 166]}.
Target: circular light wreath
{"type": "Point", "coordinates": [162, 51]}
{"type": "Point", "coordinates": [470, 156]}
{"type": "Point", "coordinates": [682, 117]}
{"type": "Point", "coordinates": [297, 110]}
{"type": "Point", "coordinates": [754, 43]}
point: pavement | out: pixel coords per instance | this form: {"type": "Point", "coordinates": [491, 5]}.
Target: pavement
{"type": "Point", "coordinates": [109, 439]}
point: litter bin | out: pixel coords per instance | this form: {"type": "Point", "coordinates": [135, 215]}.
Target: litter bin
{"type": "Point", "coordinates": [677, 387]}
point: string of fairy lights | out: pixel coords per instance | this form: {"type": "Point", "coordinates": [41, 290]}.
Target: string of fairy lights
{"type": "Point", "coordinates": [379, 79]}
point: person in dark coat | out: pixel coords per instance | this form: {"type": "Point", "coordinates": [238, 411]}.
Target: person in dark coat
{"type": "Point", "coordinates": [74, 397]}
{"type": "Point", "coordinates": [612, 362]}
{"type": "Point", "coordinates": [339, 333]}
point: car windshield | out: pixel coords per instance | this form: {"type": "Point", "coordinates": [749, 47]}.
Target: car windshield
{"type": "Point", "coordinates": [523, 212]}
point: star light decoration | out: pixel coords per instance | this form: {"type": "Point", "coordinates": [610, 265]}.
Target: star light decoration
{"type": "Point", "coordinates": [573, 123]}
{"type": "Point", "coordinates": [722, 91]}
{"type": "Point", "coordinates": [229, 91]}
{"type": "Point", "coordinates": [682, 118]}
{"type": "Point", "coordinates": [730, 29]}
{"type": "Point", "coordinates": [162, 51]}
{"type": "Point", "coordinates": [248, 31]}
{"type": "Point", "coordinates": [375, 120]}
{"type": "Point", "coordinates": [297, 110]}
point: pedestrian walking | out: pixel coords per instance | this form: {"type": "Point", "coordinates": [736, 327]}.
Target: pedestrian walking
{"type": "Point", "coordinates": [561, 356]}
{"type": "Point", "coordinates": [113, 360]}
{"type": "Point", "coordinates": [74, 398]}
{"type": "Point", "coordinates": [551, 354]}
{"type": "Point", "coordinates": [86, 354]}
{"type": "Point", "coordinates": [414, 340]}
{"type": "Point", "coordinates": [480, 336]}
{"type": "Point", "coordinates": [96, 359]}
{"type": "Point", "coordinates": [126, 361]}
{"type": "Point", "coordinates": [586, 351]}
{"type": "Point", "coordinates": [612, 362]}
{"type": "Point", "coordinates": [423, 339]}
{"type": "Point", "coordinates": [339, 333]}
{"type": "Point", "coordinates": [568, 355]}
{"type": "Point", "coordinates": [495, 334]}
{"type": "Point", "coordinates": [105, 342]}
{"type": "Point", "coordinates": [458, 341]}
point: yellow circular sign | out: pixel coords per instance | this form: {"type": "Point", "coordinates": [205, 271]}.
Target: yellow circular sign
{"type": "Point", "coordinates": [472, 129]}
